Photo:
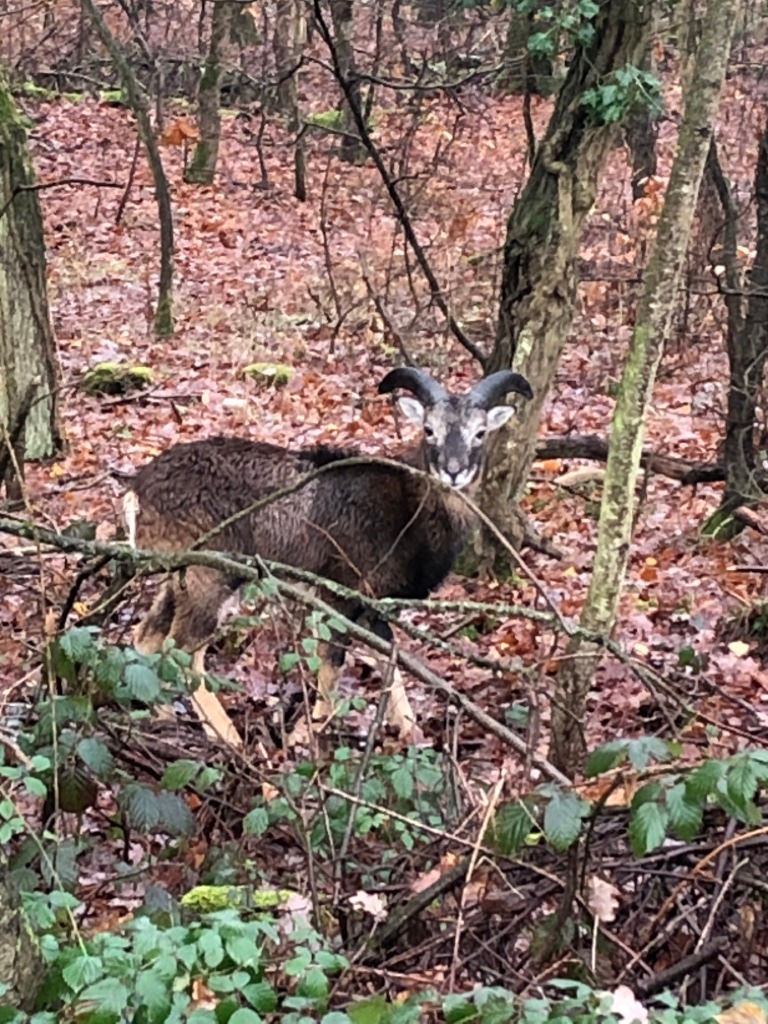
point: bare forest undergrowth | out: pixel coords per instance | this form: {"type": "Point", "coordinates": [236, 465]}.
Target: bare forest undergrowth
{"type": "Point", "coordinates": [262, 277]}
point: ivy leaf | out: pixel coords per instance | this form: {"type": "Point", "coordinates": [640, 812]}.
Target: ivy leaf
{"type": "Point", "coordinates": [562, 819]}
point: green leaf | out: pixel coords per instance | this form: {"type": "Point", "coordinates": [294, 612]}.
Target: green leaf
{"type": "Point", "coordinates": [370, 1011]}
{"type": "Point", "coordinates": [647, 828]}
{"type": "Point", "coordinates": [402, 782]}
{"type": "Point", "coordinates": [511, 825]}
{"type": "Point", "coordinates": [35, 786]}
{"type": "Point", "coordinates": [110, 667]}
{"type": "Point", "coordinates": [742, 779]}
{"type": "Point", "coordinates": [289, 660]}
{"type": "Point", "coordinates": [685, 816]}
{"type": "Point", "coordinates": [77, 643]}
{"type": "Point", "coordinates": [606, 758]}
{"type": "Point", "coordinates": [261, 996]}
{"type": "Point", "coordinates": [82, 971]}
{"type": "Point", "coordinates": [562, 818]}
{"type": "Point", "coordinates": [142, 682]}
{"type": "Point", "coordinates": [245, 1016]}
{"type": "Point", "coordinates": [141, 807]}
{"type": "Point", "coordinates": [299, 963]}
{"type": "Point", "coordinates": [704, 780]}
{"type": "Point", "coordinates": [256, 822]}
{"type": "Point", "coordinates": [109, 995]}
{"type": "Point", "coordinates": [154, 992]}
{"type": "Point", "coordinates": [96, 756]}
{"type": "Point", "coordinates": [647, 749]}
{"type": "Point", "coordinates": [336, 1017]}
{"type": "Point", "coordinates": [243, 951]}
{"type": "Point", "coordinates": [211, 947]}
{"type": "Point", "coordinates": [175, 815]}
{"type": "Point", "coordinates": [180, 773]}
{"type": "Point", "coordinates": [313, 984]}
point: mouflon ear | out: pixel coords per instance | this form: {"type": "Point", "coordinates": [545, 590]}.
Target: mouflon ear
{"type": "Point", "coordinates": [499, 415]}
{"type": "Point", "coordinates": [412, 409]}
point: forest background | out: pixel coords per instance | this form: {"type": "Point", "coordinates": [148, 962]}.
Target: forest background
{"type": "Point", "coordinates": [250, 213]}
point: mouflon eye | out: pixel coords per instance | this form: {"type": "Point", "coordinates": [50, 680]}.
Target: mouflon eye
{"type": "Point", "coordinates": [480, 435]}
{"type": "Point", "coordinates": [429, 432]}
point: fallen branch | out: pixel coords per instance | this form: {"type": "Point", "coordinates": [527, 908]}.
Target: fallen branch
{"type": "Point", "coordinates": [590, 446]}
{"type": "Point", "coordinates": [243, 568]}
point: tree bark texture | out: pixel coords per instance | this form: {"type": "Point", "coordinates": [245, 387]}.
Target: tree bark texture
{"type": "Point", "coordinates": [140, 107]}
{"type": "Point", "coordinates": [289, 40]}
{"type": "Point", "coordinates": [539, 280]}
{"type": "Point", "coordinates": [202, 166]}
{"type": "Point", "coordinates": [27, 347]}
{"type": "Point", "coordinates": [342, 14]}
{"type": "Point", "coordinates": [21, 965]}
{"type": "Point", "coordinates": [747, 341]}
{"type": "Point", "coordinates": [654, 314]}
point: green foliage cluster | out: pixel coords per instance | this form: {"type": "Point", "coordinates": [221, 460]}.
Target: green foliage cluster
{"type": "Point", "coordinates": [671, 805]}
{"type": "Point", "coordinates": [625, 89]}
{"type": "Point", "coordinates": [223, 941]}
{"type": "Point", "coordinates": [397, 795]}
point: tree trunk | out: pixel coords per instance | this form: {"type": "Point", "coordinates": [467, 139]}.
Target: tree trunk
{"type": "Point", "coordinates": [654, 314]}
{"type": "Point", "coordinates": [342, 15]}
{"type": "Point", "coordinates": [202, 166]}
{"type": "Point", "coordinates": [747, 341]}
{"type": "Point", "coordinates": [524, 71]}
{"type": "Point", "coordinates": [21, 965]}
{"type": "Point", "coordinates": [539, 280]}
{"type": "Point", "coordinates": [289, 40]}
{"type": "Point", "coordinates": [27, 347]}
{"type": "Point", "coordinates": [140, 107]}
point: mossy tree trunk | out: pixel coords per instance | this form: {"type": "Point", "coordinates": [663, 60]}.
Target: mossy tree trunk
{"type": "Point", "coordinates": [27, 348]}
{"type": "Point", "coordinates": [747, 341]}
{"type": "Point", "coordinates": [137, 100]}
{"type": "Point", "coordinates": [539, 280]}
{"type": "Point", "coordinates": [654, 314]}
{"type": "Point", "coordinates": [202, 166]}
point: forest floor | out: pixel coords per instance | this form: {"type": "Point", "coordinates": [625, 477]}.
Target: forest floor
{"type": "Point", "coordinates": [261, 276]}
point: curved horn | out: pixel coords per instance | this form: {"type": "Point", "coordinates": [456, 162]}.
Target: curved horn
{"type": "Point", "coordinates": [424, 387]}
{"type": "Point", "coordinates": [491, 390]}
